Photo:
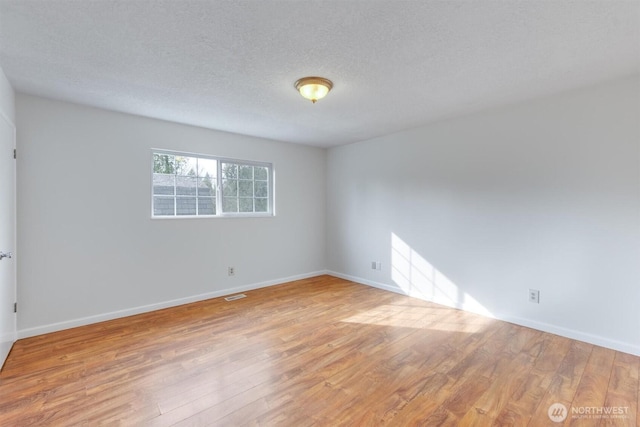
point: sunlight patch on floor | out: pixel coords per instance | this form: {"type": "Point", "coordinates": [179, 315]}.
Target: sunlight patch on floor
{"type": "Point", "coordinates": [405, 316]}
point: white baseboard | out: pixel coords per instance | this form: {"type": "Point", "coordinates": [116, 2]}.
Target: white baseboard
{"type": "Point", "coordinates": [545, 327]}
{"type": "Point", "coordinates": [573, 334]}
{"type": "Point", "coordinates": [54, 327]}
{"type": "Point", "coordinates": [367, 282]}
{"type": "Point", "coordinates": [541, 326]}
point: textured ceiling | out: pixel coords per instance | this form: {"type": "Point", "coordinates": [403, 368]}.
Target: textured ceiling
{"type": "Point", "coordinates": [231, 65]}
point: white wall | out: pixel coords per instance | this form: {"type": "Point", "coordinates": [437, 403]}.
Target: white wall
{"type": "Point", "coordinates": [89, 249]}
{"type": "Point", "coordinates": [542, 195]}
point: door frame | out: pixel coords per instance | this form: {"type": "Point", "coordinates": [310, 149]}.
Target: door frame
{"type": "Point", "coordinates": [13, 335]}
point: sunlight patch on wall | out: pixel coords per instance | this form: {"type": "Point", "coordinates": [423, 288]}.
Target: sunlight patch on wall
{"type": "Point", "coordinates": [418, 278]}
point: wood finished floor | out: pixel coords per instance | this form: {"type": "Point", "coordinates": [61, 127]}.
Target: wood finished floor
{"type": "Point", "coordinates": [321, 351]}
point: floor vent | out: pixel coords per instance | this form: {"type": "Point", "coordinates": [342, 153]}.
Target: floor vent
{"type": "Point", "coordinates": [235, 297]}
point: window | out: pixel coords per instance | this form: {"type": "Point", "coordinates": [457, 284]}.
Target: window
{"type": "Point", "coordinates": [187, 185]}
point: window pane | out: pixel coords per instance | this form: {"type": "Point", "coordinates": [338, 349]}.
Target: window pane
{"type": "Point", "coordinates": [186, 165]}
{"type": "Point", "coordinates": [262, 205]}
{"type": "Point", "coordinates": [185, 185]}
{"type": "Point", "coordinates": [261, 172]}
{"type": "Point", "coordinates": [246, 205]}
{"type": "Point", "coordinates": [207, 168]}
{"type": "Point", "coordinates": [229, 188]}
{"type": "Point", "coordinates": [163, 183]}
{"type": "Point", "coordinates": [245, 188]}
{"type": "Point", "coordinates": [206, 187]}
{"type": "Point", "coordinates": [261, 189]}
{"type": "Point", "coordinates": [229, 170]}
{"type": "Point", "coordinates": [185, 206]}
{"type": "Point", "coordinates": [164, 163]}
{"type": "Point", "coordinates": [163, 206]}
{"type": "Point", "coordinates": [246, 172]}
{"type": "Point", "coordinates": [206, 206]}
{"type": "Point", "coordinates": [230, 204]}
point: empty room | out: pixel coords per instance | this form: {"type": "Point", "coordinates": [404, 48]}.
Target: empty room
{"type": "Point", "coordinates": [319, 213]}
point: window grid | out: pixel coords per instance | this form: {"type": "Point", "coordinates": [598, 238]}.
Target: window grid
{"type": "Point", "coordinates": [230, 187]}
{"type": "Point", "coordinates": [245, 188]}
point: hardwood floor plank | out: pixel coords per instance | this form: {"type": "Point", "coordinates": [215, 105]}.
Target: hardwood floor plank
{"type": "Point", "coordinates": [564, 383]}
{"type": "Point", "coordinates": [593, 386]}
{"type": "Point", "coordinates": [524, 401]}
{"type": "Point", "coordinates": [622, 392]}
{"type": "Point", "coordinates": [316, 352]}
{"type": "Point", "coordinates": [477, 362]}
{"type": "Point", "coordinates": [496, 397]}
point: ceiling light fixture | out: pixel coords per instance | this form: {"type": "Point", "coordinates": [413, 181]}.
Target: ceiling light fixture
{"type": "Point", "coordinates": [313, 88]}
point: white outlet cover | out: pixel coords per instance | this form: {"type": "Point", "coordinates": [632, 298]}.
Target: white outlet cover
{"type": "Point", "coordinates": [534, 296]}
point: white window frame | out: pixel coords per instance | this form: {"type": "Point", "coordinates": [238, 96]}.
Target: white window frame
{"type": "Point", "coordinates": [219, 188]}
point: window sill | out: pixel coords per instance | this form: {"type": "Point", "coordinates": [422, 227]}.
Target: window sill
{"type": "Point", "coordinates": [239, 215]}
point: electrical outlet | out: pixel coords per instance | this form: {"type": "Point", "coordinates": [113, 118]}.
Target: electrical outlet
{"type": "Point", "coordinates": [373, 265]}
{"type": "Point", "coordinates": [378, 266]}
{"type": "Point", "coordinates": [534, 296]}
{"type": "Point", "coordinates": [231, 271]}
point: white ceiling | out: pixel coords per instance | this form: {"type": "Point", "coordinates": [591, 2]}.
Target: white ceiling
{"type": "Point", "coordinates": [231, 65]}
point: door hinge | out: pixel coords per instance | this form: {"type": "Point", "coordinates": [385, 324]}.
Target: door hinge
{"type": "Point", "coordinates": [15, 307]}
{"type": "Point", "coordinates": [15, 154]}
